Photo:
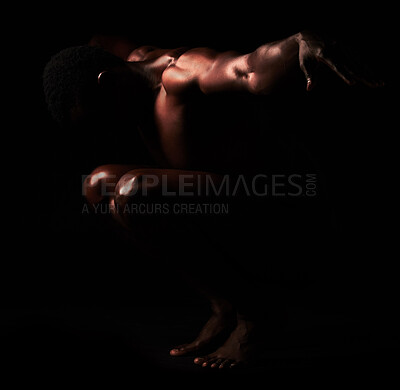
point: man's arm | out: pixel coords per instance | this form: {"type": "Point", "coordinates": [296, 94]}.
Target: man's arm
{"type": "Point", "coordinates": [257, 72]}
{"type": "Point", "coordinates": [260, 71]}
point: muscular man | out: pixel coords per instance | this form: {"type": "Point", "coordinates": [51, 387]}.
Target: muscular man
{"type": "Point", "coordinates": [192, 111]}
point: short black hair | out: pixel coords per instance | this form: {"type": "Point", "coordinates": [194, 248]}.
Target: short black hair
{"type": "Point", "coordinates": [70, 79]}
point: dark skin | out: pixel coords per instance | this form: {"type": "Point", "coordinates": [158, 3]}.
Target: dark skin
{"type": "Point", "coordinates": [182, 80]}
{"type": "Point", "coordinates": [183, 133]}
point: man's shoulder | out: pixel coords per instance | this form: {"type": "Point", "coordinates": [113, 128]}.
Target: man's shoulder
{"type": "Point", "coordinates": [182, 73]}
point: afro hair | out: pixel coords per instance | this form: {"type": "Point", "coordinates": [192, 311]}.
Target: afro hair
{"type": "Point", "coordinates": [70, 79]}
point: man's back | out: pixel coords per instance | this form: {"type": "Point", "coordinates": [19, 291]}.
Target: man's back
{"type": "Point", "coordinates": [213, 111]}
{"type": "Point", "coordinates": [219, 131]}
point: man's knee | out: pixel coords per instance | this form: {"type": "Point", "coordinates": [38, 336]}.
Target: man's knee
{"type": "Point", "coordinates": [128, 196]}
{"type": "Point", "coordinates": [100, 185]}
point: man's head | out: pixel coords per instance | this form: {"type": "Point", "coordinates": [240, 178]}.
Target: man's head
{"type": "Point", "coordinates": [98, 94]}
{"type": "Point", "coordinates": [74, 91]}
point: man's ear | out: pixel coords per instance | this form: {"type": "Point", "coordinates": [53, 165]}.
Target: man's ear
{"type": "Point", "coordinates": [106, 79]}
{"type": "Point", "coordinates": [112, 80]}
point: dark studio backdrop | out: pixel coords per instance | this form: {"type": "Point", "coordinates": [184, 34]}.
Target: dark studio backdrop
{"type": "Point", "coordinates": [79, 297]}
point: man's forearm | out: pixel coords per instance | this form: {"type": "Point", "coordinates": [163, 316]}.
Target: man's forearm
{"type": "Point", "coordinates": [263, 70]}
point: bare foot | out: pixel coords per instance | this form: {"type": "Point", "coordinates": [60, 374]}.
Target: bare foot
{"type": "Point", "coordinates": [237, 349]}
{"type": "Point", "coordinates": [222, 321]}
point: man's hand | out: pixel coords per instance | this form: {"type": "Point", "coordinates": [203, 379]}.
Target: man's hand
{"type": "Point", "coordinates": [313, 51]}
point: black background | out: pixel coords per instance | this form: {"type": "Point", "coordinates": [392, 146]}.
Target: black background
{"type": "Point", "coordinates": [75, 288]}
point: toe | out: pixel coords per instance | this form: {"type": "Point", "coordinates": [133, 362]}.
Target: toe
{"type": "Point", "coordinates": [225, 363]}
{"type": "Point", "coordinates": [235, 364]}
{"type": "Point", "coordinates": [179, 350]}
{"type": "Point", "coordinates": [199, 360]}
{"type": "Point", "coordinates": [210, 361]}
{"type": "Point", "coordinates": [207, 361]}
{"type": "Point", "coordinates": [183, 349]}
{"type": "Point", "coordinates": [216, 363]}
